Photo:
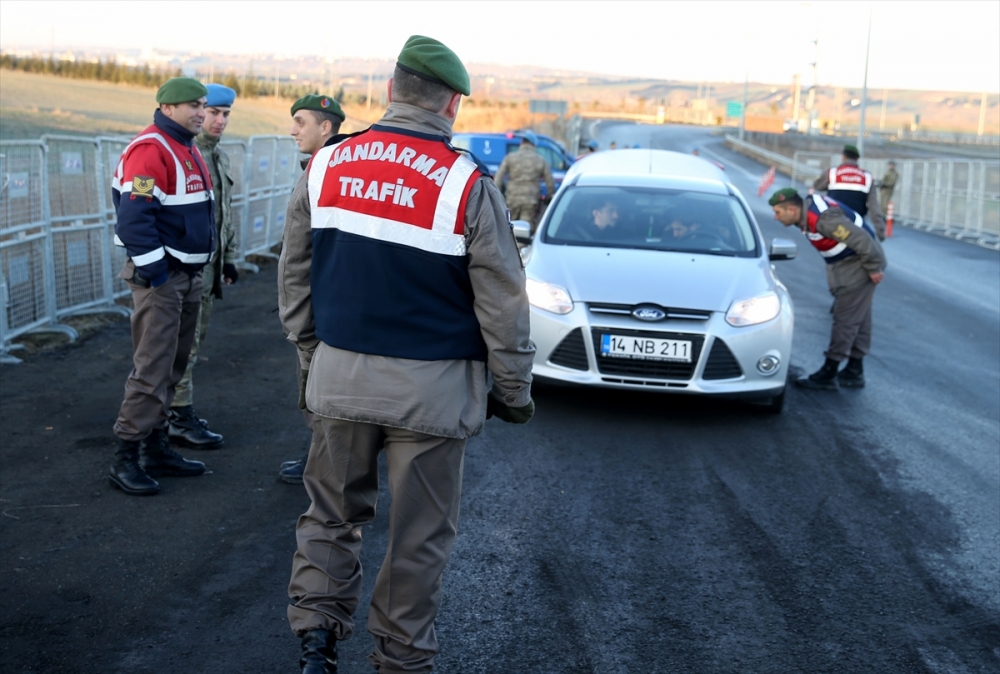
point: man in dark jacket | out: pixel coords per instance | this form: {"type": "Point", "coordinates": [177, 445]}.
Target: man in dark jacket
{"type": "Point", "coordinates": [163, 195]}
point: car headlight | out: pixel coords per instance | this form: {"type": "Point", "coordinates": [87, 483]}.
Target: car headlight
{"type": "Point", "coordinates": [549, 297]}
{"type": "Point", "coordinates": [753, 311]}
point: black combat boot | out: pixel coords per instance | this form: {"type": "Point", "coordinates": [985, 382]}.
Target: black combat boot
{"type": "Point", "coordinates": [824, 379]}
{"type": "Point", "coordinates": [319, 653]}
{"type": "Point", "coordinates": [853, 375]}
{"type": "Point", "coordinates": [158, 459]}
{"type": "Point", "coordinates": [291, 471]}
{"type": "Point", "coordinates": [185, 428]}
{"type": "Point", "coordinates": [127, 475]}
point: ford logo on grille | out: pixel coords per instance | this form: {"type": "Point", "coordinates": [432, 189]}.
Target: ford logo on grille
{"type": "Point", "coordinates": [649, 313]}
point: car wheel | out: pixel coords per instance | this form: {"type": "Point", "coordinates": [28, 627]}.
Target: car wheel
{"type": "Point", "coordinates": [772, 405]}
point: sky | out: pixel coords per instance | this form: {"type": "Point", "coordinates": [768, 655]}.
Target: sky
{"type": "Point", "coordinates": [914, 45]}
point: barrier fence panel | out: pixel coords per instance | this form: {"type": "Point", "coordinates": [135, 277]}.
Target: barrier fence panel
{"type": "Point", "coordinates": [236, 150]}
{"type": "Point", "coordinates": [79, 233]}
{"type": "Point", "coordinates": [112, 148]}
{"type": "Point", "coordinates": [57, 221]}
{"type": "Point", "coordinates": [26, 296]}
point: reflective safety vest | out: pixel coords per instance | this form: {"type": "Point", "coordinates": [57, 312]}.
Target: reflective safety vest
{"type": "Point", "coordinates": [851, 185]}
{"type": "Point", "coordinates": [832, 250]}
{"type": "Point", "coordinates": [182, 224]}
{"type": "Point", "coordinates": [390, 275]}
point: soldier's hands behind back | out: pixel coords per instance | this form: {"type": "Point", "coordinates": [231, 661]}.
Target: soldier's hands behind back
{"type": "Point", "coordinates": [512, 415]}
{"type": "Point", "coordinates": [230, 273]}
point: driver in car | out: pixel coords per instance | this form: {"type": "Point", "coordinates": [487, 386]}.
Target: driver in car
{"type": "Point", "coordinates": [682, 230]}
{"type": "Point", "coordinates": [604, 216]}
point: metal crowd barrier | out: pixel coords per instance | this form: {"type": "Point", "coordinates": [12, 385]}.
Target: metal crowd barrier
{"type": "Point", "coordinates": [57, 221]}
{"type": "Point", "coordinates": [956, 198]}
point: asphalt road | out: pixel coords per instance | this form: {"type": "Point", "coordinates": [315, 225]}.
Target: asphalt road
{"type": "Point", "coordinates": [859, 531]}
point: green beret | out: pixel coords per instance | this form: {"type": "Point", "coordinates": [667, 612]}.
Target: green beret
{"type": "Point", "coordinates": [430, 60]}
{"type": "Point", "coordinates": [180, 90]}
{"type": "Point", "coordinates": [319, 104]}
{"type": "Point", "coordinates": [782, 195]}
{"type": "Point", "coordinates": [851, 151]}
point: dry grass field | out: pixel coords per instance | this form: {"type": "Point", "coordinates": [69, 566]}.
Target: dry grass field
{"type": "Point", "coordinates": [33, 105]}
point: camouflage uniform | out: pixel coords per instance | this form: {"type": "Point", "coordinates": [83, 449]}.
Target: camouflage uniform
{"type": "Point", "coordinates": [885, 187]}
{"type": "Point", "coordinates": [526, 168]}
{"type": "Point", "coordinates": [222, 185]}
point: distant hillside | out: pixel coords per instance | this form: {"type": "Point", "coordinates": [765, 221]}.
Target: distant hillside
{"type": "Point", "coordinates": [31, 105]}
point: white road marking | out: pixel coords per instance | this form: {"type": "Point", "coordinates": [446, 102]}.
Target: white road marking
{"type": "Point", "coordinates": [739, 168]}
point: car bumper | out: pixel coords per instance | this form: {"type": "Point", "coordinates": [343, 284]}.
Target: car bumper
{"type": "Point", "coordinates": [566, 344]}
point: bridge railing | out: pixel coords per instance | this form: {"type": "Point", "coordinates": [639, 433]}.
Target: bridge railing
{"type": "Point", "coordinates": [57, 221]}
{"type": "Point", "coordinates": [954, 197]}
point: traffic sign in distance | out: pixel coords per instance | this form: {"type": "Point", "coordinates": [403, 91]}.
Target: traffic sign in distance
{"type": "Point", "coordinates": [734, 109]}
{"type": "Point", "coordinates": [547, 107]}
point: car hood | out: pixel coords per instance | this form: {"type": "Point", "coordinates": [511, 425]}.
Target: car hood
{"type": "Point", "coordinates": [669, 279]}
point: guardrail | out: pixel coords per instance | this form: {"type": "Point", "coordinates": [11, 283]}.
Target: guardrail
{"type": "Point", "coordinates": [956, 198]}
{"type": "Point", "coordinates": [57, 222]}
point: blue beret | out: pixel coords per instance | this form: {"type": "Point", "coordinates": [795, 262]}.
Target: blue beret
{"type": "Point", "coordinates": [530, 137]}
{"type": "Point", "coordinates": [219, 96]}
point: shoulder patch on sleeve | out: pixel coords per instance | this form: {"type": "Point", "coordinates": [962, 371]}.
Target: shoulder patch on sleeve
{"type": "Point", "coordinates": [841, 233]}
{"type": "Point", "coordinates": [143, 185]}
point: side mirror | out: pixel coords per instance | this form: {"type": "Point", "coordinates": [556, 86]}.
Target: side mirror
{"type": "Point", "coordinates": [782, 249]}
{"type": "Point", "coordinates": [522, 231]}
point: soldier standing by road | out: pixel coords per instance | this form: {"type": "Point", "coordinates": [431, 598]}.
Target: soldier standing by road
{"type": "Point", "coordinates": [417, 292]}
{"type": "Point", "coordinates": [852, 186]}
{"type": "Point", "coordinates": [163, 195]}
{"type": "Point", "coordinates": [185, 427]}
{"type": "Point", "coordinates": [526, 169]}
{"type": "Point", "coordinates": [315, 121]}
{"type": "Point", "coordinates": [886, 186]}
{"type": "Point", "coordinates": [855, 264]}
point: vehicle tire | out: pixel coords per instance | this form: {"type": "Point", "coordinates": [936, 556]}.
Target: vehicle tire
{"type": "Point", "coordinates": [772, 405]}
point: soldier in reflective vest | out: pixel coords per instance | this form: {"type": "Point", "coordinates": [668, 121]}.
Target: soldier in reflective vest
{"type": "Point", "coordinates": [417, 295]}
{"type": "Point", "coordinates": [185, 427]}
{"type": "Point", "coordinates": [315, 122]}
{"type": "Point", "coordinates": [854, 187]}
{"type": "Point", "coordinates": [163, 197]}
{"type": "Point", "coordinates": [855, 265]}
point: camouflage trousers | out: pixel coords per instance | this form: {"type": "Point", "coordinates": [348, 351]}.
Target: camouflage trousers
{"type": "Point", "coordinates": [524, 210]}
{"type": "Point", "coordinates": [185, 387]}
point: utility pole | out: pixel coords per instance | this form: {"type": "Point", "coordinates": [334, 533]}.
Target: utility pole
{"type": "Point", "coordinates": [881, 119]}
{"type": "Point", "coordinates": [211, 69]}
{"type": "Point", "coordinates": [743, 116]}
{"type": "Point", "coordinates": [814, 91]}
{"type": "Point", "coordinates": [370, 70]}
{"type": "Point", "coordinates": [797, 100]}
{"type": "Point", "coordinates": [277, 74]}
{"type": "Point", "coordinates": [864, 89]}
{"type": "Point", "coordinates": [982, 115]}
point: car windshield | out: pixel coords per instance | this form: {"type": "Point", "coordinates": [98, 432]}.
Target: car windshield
{"type": "Point", "coordinates": [655, 219]}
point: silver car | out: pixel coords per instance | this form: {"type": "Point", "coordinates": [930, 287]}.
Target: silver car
{"type": "Point", "coordinates": [648, 272]}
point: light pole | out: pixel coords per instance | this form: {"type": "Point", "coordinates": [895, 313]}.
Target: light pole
{"type": "Point", "coordinates": [864, 89]}
{"type": "Point", "coordinates": [743, 114]}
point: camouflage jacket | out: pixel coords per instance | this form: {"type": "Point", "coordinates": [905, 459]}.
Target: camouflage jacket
{"type": "Point", "coordinates": [222, 186]}
{"type": "Point", "coordinates": [526, 169]}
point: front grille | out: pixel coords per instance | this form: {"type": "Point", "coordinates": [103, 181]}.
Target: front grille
{"type": "Point", "coordinates": [722, 364]}
{"type": "Point", "coordinates": [571, 352]}
{"type": "Point", "coordinates": [671, 313]}
{"type": "Point", "coordinates": [660, 369]}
